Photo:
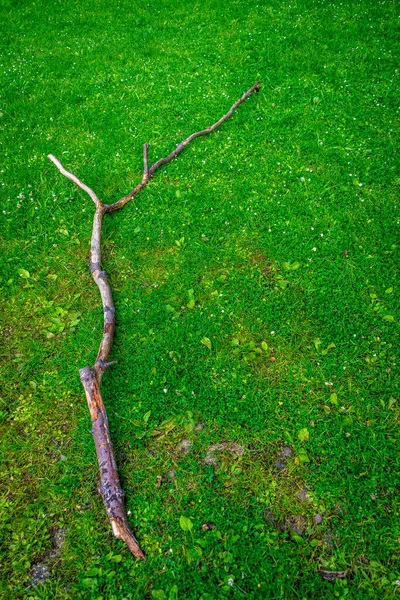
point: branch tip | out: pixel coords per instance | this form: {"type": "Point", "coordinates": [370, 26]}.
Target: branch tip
{"type": "Point", "coordinates": [75, 180]}
{"type": "Point", "coordinates": [148, 173]}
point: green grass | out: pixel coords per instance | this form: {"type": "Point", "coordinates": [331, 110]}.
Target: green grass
{"type": "Point", "coordinates": [284, 224]}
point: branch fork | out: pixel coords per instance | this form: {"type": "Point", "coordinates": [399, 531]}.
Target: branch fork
{"type": "Point", "coordinates": [110, 487]}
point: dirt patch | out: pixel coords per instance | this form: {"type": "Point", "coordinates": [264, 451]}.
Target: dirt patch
{"type": "Point", "coordinates": [232, 448]}
{"type": "Point", "coordinates": [42, 570]}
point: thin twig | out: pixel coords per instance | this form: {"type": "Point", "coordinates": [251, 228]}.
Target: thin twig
{"type": "Point", "coordinates": [145, 160]}
{"type": "Point", "coordinates": [73, 178]}
{"type": "Point", "coordinates": [108, 208]}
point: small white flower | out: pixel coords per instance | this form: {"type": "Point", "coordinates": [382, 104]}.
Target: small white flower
{"type": "Point", "coordinates": [165, 390]}
{"type": "Point", "coordinates": [231, 581]}
{"type": "Point", "coordinates": [328, 383]}
{"type": "Point", "coordinates": [314, 249]}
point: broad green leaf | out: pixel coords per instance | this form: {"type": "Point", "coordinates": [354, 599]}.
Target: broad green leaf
{"type": "Point", "coordinates": [317, 343]}
{"type": "Point", "coordinates": [173, 593]}
{"type": "Point", "coordinates": [23, 273]}
{"type": "Point", "coordinates": [89, 582]}
{"type": "Point", "coordinates": [329, 347]}
{"type": "Point", "coordinates": [389, 290]}
{"type": "Point", "coordinates": [333, 399]}
{"type": "Point", "coordinates": [206, 342]}
{"type": "Point", "coordinates": [264, 346]}
{"type": "Point", "coordinates": [315, 543]}
{"type": "Point", "coordinates": [185, 523]}
{"type": "Point", "coordinates": [116, 559]}
{"type": "Point", "coordinates": [158, 595]}
{"type": "Point", "coordinates": [291, 266]}
{"type": "Point", "coordinates": [303, 456]}
{"type": "Point", "coordinates": [303, 435]}
{"type": "Point", "coordinates": [146, 417]}
{"type": "Point", "coordinates": [388, 318]}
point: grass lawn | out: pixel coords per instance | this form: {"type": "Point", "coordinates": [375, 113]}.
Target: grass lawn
{"type": "Point", "coordinates": [256, 287]}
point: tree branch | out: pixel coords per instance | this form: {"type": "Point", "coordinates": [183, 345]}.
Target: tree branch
{"type": "Point", "coordinates": [163, 161]}
{"type": "Point", "coordinates": [110, 487]}
{"type": "Point", "coordinates": [73, 178]}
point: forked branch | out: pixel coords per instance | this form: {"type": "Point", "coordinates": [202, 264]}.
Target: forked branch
{"type": "Point", "coordinates": [110, 487]}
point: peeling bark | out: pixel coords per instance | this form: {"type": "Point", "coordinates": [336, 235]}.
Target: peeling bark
{"type": "Point", "coordinates": [110, 487]}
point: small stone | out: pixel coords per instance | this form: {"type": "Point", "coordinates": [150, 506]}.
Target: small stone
{"type": "Point", "coordinates": [302, 494]}
{"type": "Point", "coordinates": [318, 519]}
{"type": "Point", "coordinates": [208, 526]}
{"type": "Point", "coordinates": [279, 465]}
{"type": "Point", "coordinates": [286, 451]}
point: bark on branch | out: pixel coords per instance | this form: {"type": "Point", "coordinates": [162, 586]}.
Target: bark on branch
{"type": "Point", "coordinates": [110, 487]}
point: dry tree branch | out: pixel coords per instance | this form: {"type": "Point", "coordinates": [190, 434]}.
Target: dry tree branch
{"type": "Point", "coordinates": [72, 177]}
{"type": "Point", "coordinates": [110, 487]}
{"type": "Point", "coordinates": [147, 175]}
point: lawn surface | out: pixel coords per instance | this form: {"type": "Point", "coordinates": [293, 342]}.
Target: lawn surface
{"type": "Point", "coordinates": [256, 289]}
